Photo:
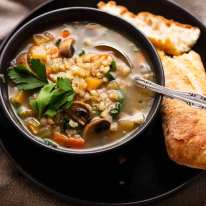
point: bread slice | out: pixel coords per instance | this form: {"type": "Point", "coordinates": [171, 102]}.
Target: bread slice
{"type": "Point", "coordinates": [172, 37]}
{"type": "Point", "coordinates": [185, 126]}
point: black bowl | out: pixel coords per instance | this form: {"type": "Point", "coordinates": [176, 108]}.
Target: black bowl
{"type": "Point", "coordinates": [66, 15]}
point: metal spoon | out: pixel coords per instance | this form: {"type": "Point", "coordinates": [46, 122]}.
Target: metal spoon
{"type": "Point", "coordinates": [192, 99]}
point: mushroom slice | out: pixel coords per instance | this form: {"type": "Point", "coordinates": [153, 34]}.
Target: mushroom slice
{"type": "Point", "coordinates": [43, 38]}
{"type": "Point", "coordinates": [80, 112]}
{"type": "Point", "coordinates": [22, 59]}
{"type": "Point", "coordinates": [97, 125]}
{"type": "Point", "coordinates": [66, 48]}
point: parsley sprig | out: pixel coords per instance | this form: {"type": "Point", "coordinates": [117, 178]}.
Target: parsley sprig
{"type": "Point", "coordinates": [29, 78]}
{"type": "Point", "coordinates": [53, 98]}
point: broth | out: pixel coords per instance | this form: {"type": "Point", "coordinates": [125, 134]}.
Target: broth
{"type": "Point", "coordinates": [87, 97]}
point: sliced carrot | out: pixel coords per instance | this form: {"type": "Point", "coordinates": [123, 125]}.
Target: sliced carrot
{"type": "Point", "coordinates": [65, 33]}
{"type": "Point", "coordinates": [63, 140]}
{"type": "Point", "coordinates": [59, 138]}
{"type": "Point", "coordinates": [75, 142]}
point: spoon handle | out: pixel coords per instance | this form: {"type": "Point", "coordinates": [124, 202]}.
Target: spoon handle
{"type": "Point", "coordinates": [192, 99]}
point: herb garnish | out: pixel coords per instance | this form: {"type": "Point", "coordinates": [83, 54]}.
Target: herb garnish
{"type": "Point", "coordinates": [54, 97]}
{"type": "Point", "coordinates": [29, 78]}
{"type": "Point", "coordinates": [50, 143]}
{"type": "Point", "coordinates": [82, 52]}
{"type": "Point", "coordinates": [114, 112]}
{"type": "Point", "coordinates": [113, 66]}
{"type": "Point", "coordinates": [58, 42]}
{"type": "Point", "coordinates": [109, 76]}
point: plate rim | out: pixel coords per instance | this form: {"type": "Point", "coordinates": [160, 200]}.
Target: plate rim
{"type": "Point", "coordinates": [92, 203]}
{"type": "Point", "coordinates": [81, 201]}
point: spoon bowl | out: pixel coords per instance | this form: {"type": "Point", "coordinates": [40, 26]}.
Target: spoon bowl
{"type": "Point", "coordinates": [192, 99]}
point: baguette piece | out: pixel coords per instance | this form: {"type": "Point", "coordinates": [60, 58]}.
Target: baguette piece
{"type": "Point", "coordinates": [185, 126]}
{"type": "Point", "coordinates": [172, 37]}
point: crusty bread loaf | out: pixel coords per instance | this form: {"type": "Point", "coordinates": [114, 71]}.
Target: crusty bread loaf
{"type": "Point", "coordinates": [172, 37]}
{"type": "Point", "coordinates": [185, 126]}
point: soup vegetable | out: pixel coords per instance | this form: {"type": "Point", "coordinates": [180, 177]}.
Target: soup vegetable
{"type": "Point", "coordinates": [72, 95]}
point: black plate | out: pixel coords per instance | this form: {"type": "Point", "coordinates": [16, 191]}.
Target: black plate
{"type": "Point", "coordinates": [140, 173]}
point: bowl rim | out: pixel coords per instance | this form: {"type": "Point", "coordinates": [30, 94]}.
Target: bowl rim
{"type": "Point", "coordinates": [107, 147]}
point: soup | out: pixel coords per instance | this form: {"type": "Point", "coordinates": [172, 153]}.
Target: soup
{"type": "Point", "coordinates": [70, 94]}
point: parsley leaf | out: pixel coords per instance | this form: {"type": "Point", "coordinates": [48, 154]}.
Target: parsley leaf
{"type": "Point", "coordinates": [64, 84]}
{"type": "Point", "coordinates": [50, 143]}
{"type": "Point", "coordinates": [82, 52]}
{"type": "Point", "coordinates": [24, 78]}
{"type": "Point", "coordinates": [113, 66]}
{"type": "Point", "coordinates": [50, 113]}
{"type": "Point", "coordinates": [63, 103]}
{"type": "Point", "coordinates": [114, 112]}
{"type": "Point", "coordinates": [57, 43]}
{"type": "Point", "coordinates": [28, 78]}
{"type": "Point", "coordinates": [54, 97]}
{"type": "Point", "coordinates": [109, 76]}
{"type": "Point", "coordinates": [39, 69]}
{"type": "Point", "coordinates": [43, 99]}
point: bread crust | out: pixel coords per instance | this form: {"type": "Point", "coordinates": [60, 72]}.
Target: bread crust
{"type": "Point", "coordinates": [185, 126]}
{"type": "Point", "coordinates": [168, 35]}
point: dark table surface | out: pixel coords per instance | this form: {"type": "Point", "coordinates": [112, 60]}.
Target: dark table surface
{"type": "Point", "coordinates": [16, 190]}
